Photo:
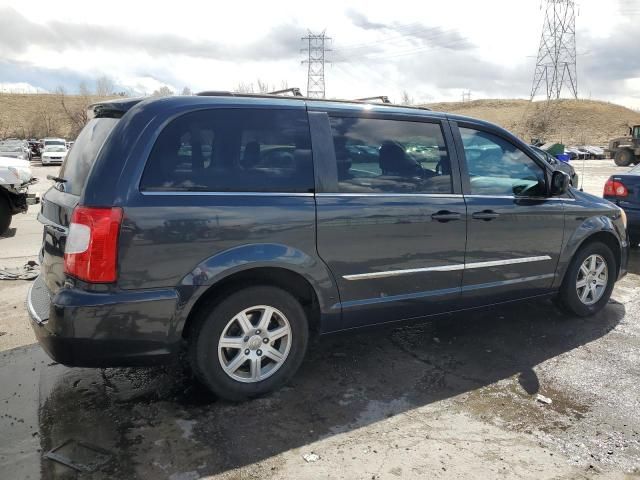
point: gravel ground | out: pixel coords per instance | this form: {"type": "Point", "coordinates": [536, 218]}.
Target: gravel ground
{"type": "Point", "coordinates": [456, 397]}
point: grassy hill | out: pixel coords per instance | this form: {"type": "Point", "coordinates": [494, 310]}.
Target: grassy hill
{"type": "Point", "coordinates": [42, 115]}
{"type": "Point", "coordinates": [573, 122]}
{"type": "Point", "coordinates": [568, 121]}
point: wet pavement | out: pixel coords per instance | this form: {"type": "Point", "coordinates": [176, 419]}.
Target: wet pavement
{"type": "Point", "coordinates": [486, 366]}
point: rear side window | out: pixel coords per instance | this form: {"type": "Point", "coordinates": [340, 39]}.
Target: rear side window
{"type": "Point", "coordinates": [80, 158]}
{"type": "Point", "coordinates": [232, 150]}
{"type": "Point", "coordinates": [390, 156]}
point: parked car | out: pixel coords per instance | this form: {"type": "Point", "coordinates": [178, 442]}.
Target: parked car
{"type": "Point", "coordinates": [15, 178]}
{"type": "Point", "coordinates": [53, 141]}
{"type": "Point", "coordinates": [624, 190]}
{"type": "Point", "coordinates": [154, 244]}
{"type": "Point", "coordinates": [13, 150]}
{"type": "Point", "coordinates": [34, 146]}
{"type": "Point", "coordinates": [53, 154]}
{"type": "Point", "coordinates": [558, 165]}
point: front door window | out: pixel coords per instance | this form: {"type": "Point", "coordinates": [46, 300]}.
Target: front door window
{"type": "Point", "coordinates": [497, 167]}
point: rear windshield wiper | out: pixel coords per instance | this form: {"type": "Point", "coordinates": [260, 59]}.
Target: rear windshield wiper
{"type": "Point", "coordinates": [56, 179]}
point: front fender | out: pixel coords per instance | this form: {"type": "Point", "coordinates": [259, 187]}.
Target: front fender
{"type": "Point", "coordinates": [580, 232]}
{"type": "Point", "coordinates": [246, 257]}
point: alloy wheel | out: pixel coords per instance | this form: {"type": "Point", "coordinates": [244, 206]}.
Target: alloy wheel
{"type": "Point", "coordinates": [592, 278]}
{"type": "Point", "coordinates": [254, 344]}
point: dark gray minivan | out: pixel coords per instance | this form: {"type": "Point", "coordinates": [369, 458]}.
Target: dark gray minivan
{"type": "Point", "coordinates": [236, 226]}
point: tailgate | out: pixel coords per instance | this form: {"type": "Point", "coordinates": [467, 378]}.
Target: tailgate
{"type": "Point", "coordinates": [55, 214]}
{"type": "Point", "coordinates": [60, 200]}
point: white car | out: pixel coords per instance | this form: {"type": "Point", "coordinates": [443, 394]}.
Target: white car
{"type": "Point", "coordinates": [15, 178]}
{"type": "Point", "coordinates": [53, 154]}
{"type": "Point", "coordinates": [54, 141]}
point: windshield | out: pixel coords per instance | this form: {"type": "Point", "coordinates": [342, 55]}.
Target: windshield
{"type": "Point", "coordinates": [54, 142]}
{"type": "Point", "coordinates": [54, 148]}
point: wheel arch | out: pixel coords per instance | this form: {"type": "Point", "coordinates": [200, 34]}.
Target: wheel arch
{"type": "Point", "coordinates": [292, 282]}
{"type": "Point", "coordinates": [302, 275]}
{"type": "Point", "coordinates": [606, 236]}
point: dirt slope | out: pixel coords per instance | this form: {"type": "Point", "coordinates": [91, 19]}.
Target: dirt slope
{"type": "Point", "coordinates": [567, 121]}
{"type": "Point", "coordinates": [40, 115]}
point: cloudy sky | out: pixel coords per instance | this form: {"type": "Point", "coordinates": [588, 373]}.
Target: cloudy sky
{"type": "Point", "coordinates": [433, 50]}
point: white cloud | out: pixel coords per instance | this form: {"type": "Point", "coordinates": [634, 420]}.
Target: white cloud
{"type": "Point", "coordinates": [435, 50]}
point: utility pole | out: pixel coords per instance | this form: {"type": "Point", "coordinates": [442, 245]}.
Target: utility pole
{"type": "Point", "coordinates": [556, 61]}
{"type": "Point", "coordinates": [315, 61]}
{"type": "Point", "coordinates": [466, 96]}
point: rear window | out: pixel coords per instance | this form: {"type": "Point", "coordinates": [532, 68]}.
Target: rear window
{"type": "Point", "coordinates": [75, 168]}
{"type": "Point", "coordinates": [232, 150]}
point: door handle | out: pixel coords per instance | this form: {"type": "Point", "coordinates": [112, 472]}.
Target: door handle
{"type": "Point", "coordinates": [445, 216]}
{"type": "Point", "coordinates": [485, 215]}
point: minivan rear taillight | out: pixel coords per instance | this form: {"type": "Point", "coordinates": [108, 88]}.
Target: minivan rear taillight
{"type": "Point", "coordinates": [615, 188]}
{"type": "Point", "coordinates": [91, 251]}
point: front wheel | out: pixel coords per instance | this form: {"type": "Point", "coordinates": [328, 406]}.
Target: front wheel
{"type": "Point", "coordinates": [250, 343]}
{"type": "Point", "coordinates": [589, 280]}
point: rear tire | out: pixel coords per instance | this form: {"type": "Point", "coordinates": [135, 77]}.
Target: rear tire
{"type": "Point", "coordinates": [623, 158]}
{"type": "Point", "coordinates": [258, 359]}
{"type": "Point", "coordinates": [587, 284]}
{"type": "Point", "coordinates": [5, 215]}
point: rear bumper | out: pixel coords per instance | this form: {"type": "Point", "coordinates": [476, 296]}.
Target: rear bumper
{"type": "Point", "coordinates": [85, 329]}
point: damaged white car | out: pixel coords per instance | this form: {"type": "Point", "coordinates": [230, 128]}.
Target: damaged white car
{"type": "Point", "coordinates": [15, 178]}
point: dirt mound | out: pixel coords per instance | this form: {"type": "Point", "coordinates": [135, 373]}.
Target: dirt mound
{"type": "Point", "coordinates": [573, 122]}
{"type": "Point", "coordinates": [42, 115]}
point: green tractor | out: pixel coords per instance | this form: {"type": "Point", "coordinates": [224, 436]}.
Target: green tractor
{"type": "Point", "coordinates": [626, 150]}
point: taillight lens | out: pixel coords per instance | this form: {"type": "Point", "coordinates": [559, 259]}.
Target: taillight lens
{"type": "Point", "coordinates": [91, 251]}
{"type": "Point", "coordinates": [615, 188]}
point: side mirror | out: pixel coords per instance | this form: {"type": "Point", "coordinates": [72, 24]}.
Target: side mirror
{"type": "Point", "coordinates": [560, 182]}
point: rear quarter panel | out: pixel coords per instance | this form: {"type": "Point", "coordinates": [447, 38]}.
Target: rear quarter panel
{"type": "Point", "coordinates": [191, 242]}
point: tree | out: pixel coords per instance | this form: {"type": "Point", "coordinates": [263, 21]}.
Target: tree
{"type": "Point", "coordinates": [104, 86]}
{"type": "Point", "coordinates": [406, 99]}
{"type": "Point", "coordinates": [260, 87]}
{"type": "Point", "coordinates": [244, 87]}
{"type": "Point", "coordinates": [263, 87]}
{"type": "Point", "coordinates": [163, 91]}
{"type": "Point", "coordinates": [76, 111]}
{"type": "Point", "coordinates": [186, 91]}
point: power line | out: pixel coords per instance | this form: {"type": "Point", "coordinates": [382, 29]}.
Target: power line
{"type": "Point", "coordinates": [556, 60]}
{"type": "Point", "coordinates": [315, 62]}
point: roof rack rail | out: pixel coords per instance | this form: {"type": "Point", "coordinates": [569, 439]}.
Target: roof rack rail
{"type": "Point", "coordinates": [381, 98]}
{"type": "Point", "coordinates": [215, 93]}
{"type": "Point", "coordinates": [295, 91]}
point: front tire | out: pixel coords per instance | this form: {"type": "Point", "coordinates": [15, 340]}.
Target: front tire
{"type": "Point", "coordinates": [589, 280]}
{"type": "Point", "coordinates": [623, 158]}
{"type": "Point", "coordinates": [250, 343]}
